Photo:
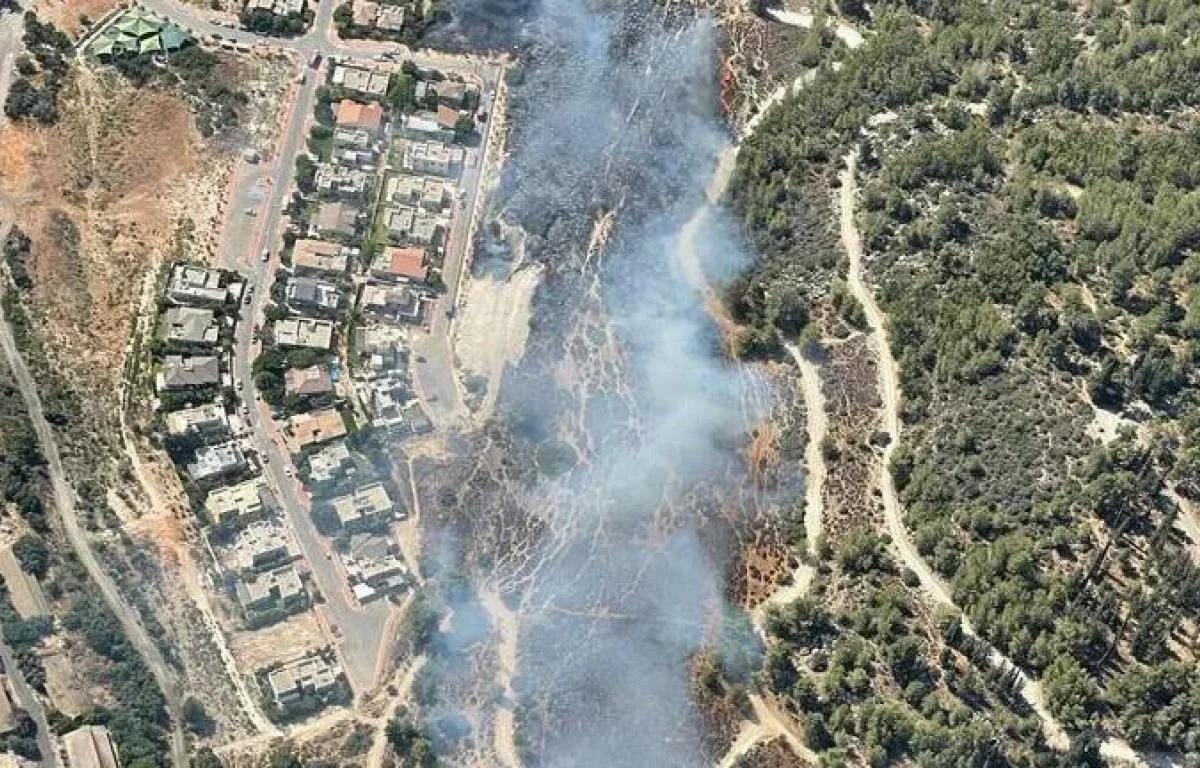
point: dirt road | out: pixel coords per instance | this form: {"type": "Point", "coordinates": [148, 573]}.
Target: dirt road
{"type": "Point", "coordinates": [889, 386]}
{"type": "Point", "coordinates": [379, 745]}
{"type": "Point", "coordinates": [1188, 521]}
{"type": "Point", "coordinates": [64, 499]}
{"type": "Point", "coordinates": [816, 425]}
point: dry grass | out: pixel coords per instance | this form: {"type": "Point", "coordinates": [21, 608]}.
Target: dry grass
{"type": "Point", "coordinates": [90, 193]}
{"type": "Point", "coordinates": [285, 640]}
{"type": "Point", "coordinates": [67, 14]}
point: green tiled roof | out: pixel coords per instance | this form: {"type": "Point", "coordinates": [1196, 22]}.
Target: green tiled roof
{"type": "Point", "coordinates": [137, 31]}
{"type": "Point", "coordinates": [102, 46]}
{"type": "Point", "coordinates": [173, 37]}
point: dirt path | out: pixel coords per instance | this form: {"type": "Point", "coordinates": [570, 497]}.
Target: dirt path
{"type": "Point", "coordinates": [64, 499]}
{"type": "Point", "coordinates": [1188, 520]}
{"type": "Point", "coordinates": [780, 723]}
{"type": "Point", "coordinates": [768, 722]}
{"type": "Point", "coordinates": [506, 625]}
{"type": "Point", "coordinates": [751, 735]}
{"type": "Point", "coordinates": [188, 572]}
{"type": "Point", "coordinates": [379, 746]}
{"type": "Point", "coordinates": [816, 425]}
{"type": "Point", "coordinates": [889, 385]}
{"type": "Point", "coordinates": [847, 33]}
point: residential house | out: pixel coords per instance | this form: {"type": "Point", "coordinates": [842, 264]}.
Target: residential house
{"type": "Point", "coordinates": [278, 591]}
{"type": "Point", "coordinates": [321, 256]}
{"type": "Point", "coordinates": [364, 509]}
{"type": "Point", "coordinates": [307, 382]}
{"type": "Point", "coordinates": [335, 219]}
{"type": "Point", "coordinates": [400, 221]}
{"type": "Point", "coordinates": [341, 181]}
{"type": "Point", "coordinates": [364, 80]}
{"type": "Point", "coordinates": [390, 18]}
{"type": "Point", "coordinates": [434, 194]}
{"type": "Point", "coordinates": [239, 504]}
{"type": "Point", "coordinates": [316, 427]}
{"type": "Point", "coordinates": [263, 546]}
{"type": "Point", "coordinates": [386, 398]}
{"type": "Point", "coordinates": [374, 577]}
{"type": "Point", "coordinates": [190, 284]}
{"type": "Point", "coordinates": [277, 7]}
{"type": "Point", "coordinates": [309, 676]}
{"type": "Point", "coordinates": [392, 302]}
{"type": "Point", "coordinates": [90, 747]}
{"type": "Point", "coordinates": [414, 226]}
{"type": "Point", "coordinates": [364, 12]}
{"type": "Point", "coordinates": [423, 126]}
{"type": "Point", "coordinates": [186, 372]}
{"type": "Point", "coordinates": [452, 93]}
{"type": "Point", "coordinates": [209, 420]}
{"type": "Point", "coordinates": [404, 189]}
{"type": "Point", "coordinates": [384, 346]}
{"type": "Point", "coordinates": [312, 293]}
{"type": "Point", "coordinates": [403, 264]}
{"type": "Point", "coordinates": [431, 157]}
{"type": "Point", "coordinates": [304, 332]}
{"type": "Point", "coordinates": [190, 325]}
{"type": "Point", "coordinates": [215, 462]}
{"type": "Point", "coordinates": [447, 117]}
{"type": "Point", "coordinates": [426, 230]}
{"type": "Point", "coordinates": [329, 464]}
{"type": "Point", "coordinates": [355, 114]}
{"type": "Point", "coordinates": [353, 138]}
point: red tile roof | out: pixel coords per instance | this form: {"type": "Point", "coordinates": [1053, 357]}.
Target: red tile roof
{"type": "Point", "coordinates": [352, 114]}
{"type": "Point", "coordinates": [407, 262]}
{"type": "Point", "coordinates": [447, 116]}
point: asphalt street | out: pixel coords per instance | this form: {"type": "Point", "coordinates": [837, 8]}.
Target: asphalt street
{"type": "Point", "coordinates": [359, 629]}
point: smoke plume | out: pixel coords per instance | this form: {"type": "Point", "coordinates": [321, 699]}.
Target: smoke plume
{"type": "Point", "coordinates": [613, 115]}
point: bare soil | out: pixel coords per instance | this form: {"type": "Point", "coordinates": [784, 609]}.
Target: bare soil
{"type": "Point", "coordinates": [284, 640]}
{"type": "Point", "coordinates": [69, 15]}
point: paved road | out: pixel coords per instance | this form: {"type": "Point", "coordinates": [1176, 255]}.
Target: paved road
{"type": "Point", "coordinates": [435, 379]}
{"type": "Point", "coordinates": [64, 499]}
{"type": "Point", "coordinates": [361, 628]}
{"type": "Point", "coordinates": [321, 38]}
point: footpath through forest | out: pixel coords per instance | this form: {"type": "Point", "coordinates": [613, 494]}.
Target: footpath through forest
{"type": "Point", "coordinates": [933, 586]}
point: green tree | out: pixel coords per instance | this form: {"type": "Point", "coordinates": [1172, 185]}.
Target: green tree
{"type": "Point", "coordinates": [1071, 693]}
{"type": "Point", "coordinates": [343, 17]}
{"type": "Point", "coordinates": [33, 554]}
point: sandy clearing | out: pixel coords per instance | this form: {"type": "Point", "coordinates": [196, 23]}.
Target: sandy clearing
{"type": "Point", "coordinates": [506, 627]}
{"type": "Point", "coordinates": [805, 19]}
{"type": "Point", "coordinates": [284, 640]}
{"type": "Point", "coordinates": [492, 328]}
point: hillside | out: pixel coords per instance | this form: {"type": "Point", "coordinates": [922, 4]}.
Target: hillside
{"type": "Point", "coordinates": [1024, 179]}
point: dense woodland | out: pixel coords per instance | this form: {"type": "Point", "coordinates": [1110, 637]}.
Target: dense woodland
{"type": "Point", "coordinates": [1030, 204]}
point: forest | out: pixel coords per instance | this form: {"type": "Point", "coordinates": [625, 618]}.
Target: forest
{"type": "Point", "coordinates": [1030, 208]}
